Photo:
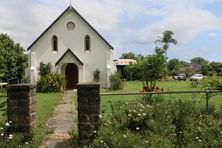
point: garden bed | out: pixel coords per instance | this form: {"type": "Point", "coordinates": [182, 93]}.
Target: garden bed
{"type": "Point", "coordinates": [158, 123]}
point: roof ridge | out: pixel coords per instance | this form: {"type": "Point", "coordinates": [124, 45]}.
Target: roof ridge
{"type": "Point", "coordinates": [67, 9]}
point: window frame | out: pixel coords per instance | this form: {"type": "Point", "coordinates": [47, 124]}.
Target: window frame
{"type": "Point", "coordinates": [54, 42]}
{"type": "Point", "coordinates": [72, 27]}
{"type": "Point", "coordinates": [87, 43]}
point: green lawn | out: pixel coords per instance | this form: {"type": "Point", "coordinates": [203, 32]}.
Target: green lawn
{"type": "Point", "coordinates": [136, 86]}
{"type": "Point", "coordinates": [2, 102]}
{"type": "Point", "coordinates": [2, 113]}
{"type": "Point", "coordinates": [45, 103]}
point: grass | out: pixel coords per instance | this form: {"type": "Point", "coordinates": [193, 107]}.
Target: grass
{"type": "Point", "coordinates": [136, 86]}
{"type": "Point", "coordinates": [2, 101]}
{"type": "Point", "coordinates": [2, 113]}
{"type": "Point", "coordinates": [45, 104]}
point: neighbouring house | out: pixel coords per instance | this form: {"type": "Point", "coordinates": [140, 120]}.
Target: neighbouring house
{"type": "Point", "coordinates": [74, 48]}
{"type": "Point", "coordinates": [195, 67]}
{"type": "Point", "coordinates": [121, 64]}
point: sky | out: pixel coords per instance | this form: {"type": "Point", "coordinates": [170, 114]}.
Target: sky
{"type": "Point", "coordinates": [128, 25]}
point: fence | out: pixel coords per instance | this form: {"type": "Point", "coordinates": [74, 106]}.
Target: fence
{"type": "Point", "coordinates": [89, 106]}
{"type": "Point", "coordinates": [206, 92]}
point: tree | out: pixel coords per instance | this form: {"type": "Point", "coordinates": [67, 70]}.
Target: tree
{"type": "Point", "coordinates": [184, 63]}
{"type": "Point", "coordinates": [205, 69]}
{"type": "Point", "coordinates": [132, 72]}
{"type": "Point", "coordinates": [13, 61]}
{"type": "Point", "coordinates": [166, 39]}
{"type": "Point", "coordinates": [173, 64]}
{"type": "Point", "coordinates": [139, 56]}
{"type": "Point", "coordinates": [215, 66]}
{"type": "Point", "coordinates": [198, 60]}
{"type": "Point", "coordinates": [152, 68]}
{"type": "Point", "coordinates": [128, 55]}
{"type": "Point", "coordinates": [176, 66]}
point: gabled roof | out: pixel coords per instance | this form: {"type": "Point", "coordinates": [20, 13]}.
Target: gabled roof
{"type": "Point", "coordinates": [125, 62]}
{"type": "Point", "coordinates": [68, 9]}
{"type": "Point", "coordinates": [69, 51]}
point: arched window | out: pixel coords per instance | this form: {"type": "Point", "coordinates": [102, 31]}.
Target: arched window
{"type": "Point", "coordinates": [54, 43]}
{"type": "Point", "coordinates": [87, 43]}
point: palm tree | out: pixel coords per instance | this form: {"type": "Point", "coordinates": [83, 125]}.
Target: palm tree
{"type": "Point", "coordinates": [166, 39]}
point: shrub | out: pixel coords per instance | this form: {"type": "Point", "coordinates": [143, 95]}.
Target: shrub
{"type": "Point", "coordinates": [25, 80]}
{"type": "Point", "coordinates": [116, 82]}
{"type": "Point", "coordinates": [51, 83]}
{"type": "Point", "coordinates": [96, 75]}
{"type": "Point", "coordinates": [44, 69]}
{"type": "Point", "coordinates": [211, 83]}
{"type": "Point", "coordinates": [9, 139]}
{"type": "Point", "coordinates": [161, 124]}
{"type": "Point", "coordinates": [195, 84]}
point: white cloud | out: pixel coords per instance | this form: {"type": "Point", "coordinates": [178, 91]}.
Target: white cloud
{"type": "Point", "coordinates": [186, 23]}
{"type": "Point", "coordinates": [24, 20]}
{"type": "Point", "coordinates": [125, 24]}
{"type": "Point", "coordinates": [213, 34]}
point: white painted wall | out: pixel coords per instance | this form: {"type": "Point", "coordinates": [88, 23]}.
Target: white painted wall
{"type": "Point", "coordinates": [74, 40]}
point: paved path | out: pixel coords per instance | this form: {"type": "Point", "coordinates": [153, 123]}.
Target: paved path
{"type": "Point", "coordinates": [61, 122]}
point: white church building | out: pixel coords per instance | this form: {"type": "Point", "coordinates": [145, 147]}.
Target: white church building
{"type": "Point", "coordinates": [74, 48]}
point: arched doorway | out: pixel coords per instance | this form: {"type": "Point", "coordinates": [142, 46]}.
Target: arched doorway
{"type": "Point", "coordinates": [71, 74]}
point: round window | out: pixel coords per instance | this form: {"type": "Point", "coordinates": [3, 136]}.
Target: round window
{"type": "Point", "coordinates": [70, 25]}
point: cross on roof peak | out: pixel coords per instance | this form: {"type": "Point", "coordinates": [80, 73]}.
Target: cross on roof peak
{"type": "Point", "coordinates": [70, 3]}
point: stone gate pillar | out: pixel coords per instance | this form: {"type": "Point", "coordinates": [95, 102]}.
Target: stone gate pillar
{"type": "Point", "coordinates": [88, 111]}
{"type": "Point", "coordinates": [21, 108]}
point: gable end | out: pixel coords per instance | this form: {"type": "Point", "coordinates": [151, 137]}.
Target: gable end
{"type": "Point", "coordinates": [68, 51]}
{"type": "Point", "coordinates": [67, 9]}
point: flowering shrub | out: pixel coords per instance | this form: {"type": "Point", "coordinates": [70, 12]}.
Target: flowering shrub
{"type": "Point", "coordinates": [154, 89]}
{"type": "Point", "coordinates": [15, 140]}
{"type": "Point", "coordinates": [51, 83]}
{"type": "Point", "coordinates": [8, 139]}
{"type": "Point", "coordinates": [160, 124]}
{"type": "Point", "coordinates": [116, 82]}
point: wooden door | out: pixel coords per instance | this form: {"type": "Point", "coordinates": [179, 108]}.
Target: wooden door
{"type": "Point", "coordinates": [71, 76]}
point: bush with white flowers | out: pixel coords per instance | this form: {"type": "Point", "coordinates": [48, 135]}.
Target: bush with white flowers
{"type": "Point", "coordinates": [160, 124]}
{"type": "Point", "coordinates": [10, 140]}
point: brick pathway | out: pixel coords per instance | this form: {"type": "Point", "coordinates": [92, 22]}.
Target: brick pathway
{"type": "Point", "coordinates": [61, 122]}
